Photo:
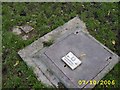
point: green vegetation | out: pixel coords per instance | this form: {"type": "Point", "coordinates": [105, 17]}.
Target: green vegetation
{"type": "Point", "coordinates": [101, 20]}
{"type": "Point", "coordinates": [47, 43]}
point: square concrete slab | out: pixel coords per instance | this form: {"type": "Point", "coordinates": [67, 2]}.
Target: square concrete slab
{"type": "Point", "coordinates": [26, 28]}
{"type": "Point", "coordinates": [97, 60]}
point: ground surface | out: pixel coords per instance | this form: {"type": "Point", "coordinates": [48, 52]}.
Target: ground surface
{"type": "Point", "coordinates": [101, 20]}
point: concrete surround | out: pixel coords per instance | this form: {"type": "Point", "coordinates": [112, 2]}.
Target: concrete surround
{"type": "Point", "coordinates": [72, 36]}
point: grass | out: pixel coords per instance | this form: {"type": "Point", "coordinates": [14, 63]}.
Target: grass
{"type": "Point", "coordinates": [101, 20]}
{"type": "Point", "coordinates": [48, 43]}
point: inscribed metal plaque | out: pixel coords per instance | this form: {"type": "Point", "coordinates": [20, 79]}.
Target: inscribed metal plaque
{"type": "Point", "coordinates": [71, 60]}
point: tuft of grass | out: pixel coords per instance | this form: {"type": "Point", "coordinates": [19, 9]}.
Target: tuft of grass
{"type": "Point", "coordinates": [48, 43]}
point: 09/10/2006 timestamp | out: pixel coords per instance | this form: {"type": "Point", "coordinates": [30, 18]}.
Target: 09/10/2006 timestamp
{"type": "Point", "coordinates": [95, 82]}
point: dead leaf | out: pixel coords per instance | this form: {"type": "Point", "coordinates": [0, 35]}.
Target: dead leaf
{"type": "Point", "coordinates": [17, 62]}
{"type": "Point", "coordinates": [108, 13]}
{"type": "Point", "coordinates": [82, 54]}
{"type": "Point", "coordinates": [83, 6]}
{"type": "Point", "coordinates": [113, 42]}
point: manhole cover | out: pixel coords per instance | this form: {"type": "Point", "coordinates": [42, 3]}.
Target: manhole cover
{"type": "Point", "coordinates": [94, 61]}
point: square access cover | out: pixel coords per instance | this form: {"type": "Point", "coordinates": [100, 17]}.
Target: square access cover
{"type": "Point", "coordinates": [95, 58]}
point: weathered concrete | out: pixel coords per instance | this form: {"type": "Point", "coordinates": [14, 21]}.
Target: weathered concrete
{"type": "Point", "coordinates": [16, 30]}
{"type": "Point", "coordinates": [26, 28]}
{"type": "Point", "coordinates": [25, 32]}
{"type": "Point", "coordinates": [72, 36]}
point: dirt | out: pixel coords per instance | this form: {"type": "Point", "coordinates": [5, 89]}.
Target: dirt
{"type": "Point", "coordinates": [25, 36]}
{"type": "Point", "coordinates": [4, 69]}
{"type": "Point", "coordinates": [4, 54]}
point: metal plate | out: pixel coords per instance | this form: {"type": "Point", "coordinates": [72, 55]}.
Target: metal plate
{"type": "Point", "coordinates": [71, 60]}
{"type": "Point", "coordinates": [93, 62]}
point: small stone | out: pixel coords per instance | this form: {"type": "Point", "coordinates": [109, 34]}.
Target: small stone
{"type": "Point", "coordinates": [113, 9]}
{"type": "Point", "coordinates": [26, 28]}
{"type": "Point", "coordinates": [33, 15]}
{"type": "Point", "coordinates": [15, 41]}
{"type": "Point", "coordinates": [53, 15]}
{"type": "Point", "coordinates": [16, 30]}
{"type": "Point", "coordinates": [25, 37]}
{"type": "Point", "coordinates": [28, 22]}
{"type": "Point", "coordinates": [3, 46]}
{"type": "Point", "coordinates": [11, 20]}
{"type": "Point", "coordinates": [113, 42]}
{"type": "Point", "coordinates": [61, 11]}
{"type": "Point", "coordinates": [83, 6]}
{"type": "Point", "coordinates": [108, 12]}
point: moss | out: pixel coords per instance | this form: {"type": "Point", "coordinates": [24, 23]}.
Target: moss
{"type": "Point", "coordinates": [48, 43]}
